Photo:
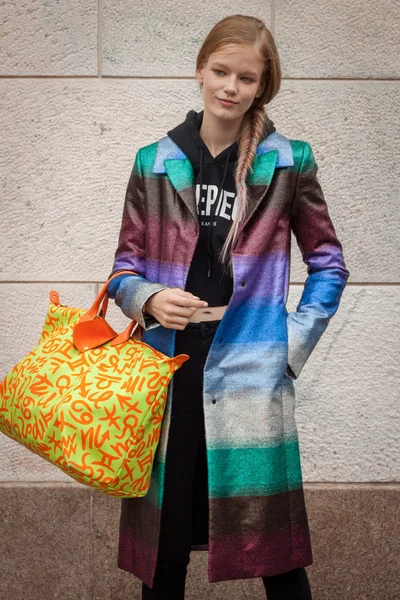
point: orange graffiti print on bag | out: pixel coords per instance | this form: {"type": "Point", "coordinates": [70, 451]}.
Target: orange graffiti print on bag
{"type": "Point", "coordinates": [88, 400]}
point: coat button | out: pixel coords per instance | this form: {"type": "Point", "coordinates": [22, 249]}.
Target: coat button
{"type": "Point", "coordinates": [243, 283]}
{"type": "Point", "coordinates": [213, 400]}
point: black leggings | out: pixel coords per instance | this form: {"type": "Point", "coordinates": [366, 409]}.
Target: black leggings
{"type": "Point", "coordinates": [185, 503]}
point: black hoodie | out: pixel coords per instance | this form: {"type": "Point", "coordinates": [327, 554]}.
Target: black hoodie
{"type": "Point", "coordinates": [207, 278]}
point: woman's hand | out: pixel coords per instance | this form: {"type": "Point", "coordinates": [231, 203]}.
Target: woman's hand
{"type": "Point", "coordinates": [173, 307]}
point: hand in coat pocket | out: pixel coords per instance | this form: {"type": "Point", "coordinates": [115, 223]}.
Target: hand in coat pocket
{"type": "Point", "coordinates": [289, 372]}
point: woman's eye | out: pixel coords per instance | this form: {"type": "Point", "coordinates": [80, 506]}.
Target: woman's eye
{"type": "Point", "coordinates": [217, 71]}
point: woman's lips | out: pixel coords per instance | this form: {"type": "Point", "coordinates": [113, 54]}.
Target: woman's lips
{"type": "Point", "coordinates": [226, 102]}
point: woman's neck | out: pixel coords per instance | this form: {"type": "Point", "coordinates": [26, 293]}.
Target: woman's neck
{"type": "Point", "coordinates": [218, 134]}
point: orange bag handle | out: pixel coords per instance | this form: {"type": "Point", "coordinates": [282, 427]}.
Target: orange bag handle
{"type": "Point", "coordinates": [92, 330]}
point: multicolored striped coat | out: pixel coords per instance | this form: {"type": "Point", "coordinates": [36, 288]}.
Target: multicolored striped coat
{"type": "Point", "coordinates": [257, 516]}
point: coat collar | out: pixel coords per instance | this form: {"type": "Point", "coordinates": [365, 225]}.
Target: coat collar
{"type": "Point", "coordinates": [273, 152]}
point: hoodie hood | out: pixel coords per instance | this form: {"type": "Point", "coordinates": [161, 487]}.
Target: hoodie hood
{"type": "Point", "coordinates": [211, 172]}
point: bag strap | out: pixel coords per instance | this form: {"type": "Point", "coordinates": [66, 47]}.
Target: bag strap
{"type": "Point", "coordinates": [94, 309]}
{"type": "Point", "coordinates": [93, 330]}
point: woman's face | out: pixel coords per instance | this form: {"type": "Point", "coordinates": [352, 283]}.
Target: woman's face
{"type": "Point", "coordinates": [233, 73]}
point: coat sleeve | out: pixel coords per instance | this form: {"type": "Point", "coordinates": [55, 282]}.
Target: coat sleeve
{"type": "Point", "coordinates": [132, 291]}
{"type": "Point", "coordinates": [322, 253]}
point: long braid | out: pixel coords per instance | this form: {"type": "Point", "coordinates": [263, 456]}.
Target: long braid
{"type": "Point", "coordinates": [252, 131]}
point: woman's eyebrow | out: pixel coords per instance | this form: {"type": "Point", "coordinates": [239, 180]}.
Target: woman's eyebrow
{"type": "Point", "coordinates": [218, 64]}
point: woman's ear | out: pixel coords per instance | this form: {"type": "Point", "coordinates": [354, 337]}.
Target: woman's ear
{"type": "Point", "coordinates": [199, 75]}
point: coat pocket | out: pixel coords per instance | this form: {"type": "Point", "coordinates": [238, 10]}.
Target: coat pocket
{"type": "Point", "coordinates": [289, 372]}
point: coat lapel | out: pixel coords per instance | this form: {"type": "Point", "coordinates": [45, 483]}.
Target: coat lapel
{"type": "Point", "coordinates": [259, 180]}
{"type": "Point", "coordinates": [273, 152]}
{"type": "Point", "coordinates": [180, 172]}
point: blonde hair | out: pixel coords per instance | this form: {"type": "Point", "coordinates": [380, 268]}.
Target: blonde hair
{"type": "Point", "coordinates": [245, 30]}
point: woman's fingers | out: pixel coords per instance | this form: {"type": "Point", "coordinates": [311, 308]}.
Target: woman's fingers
{"type": "Point", "coordinates": [182, 298]}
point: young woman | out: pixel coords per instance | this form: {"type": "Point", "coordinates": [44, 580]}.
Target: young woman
{"type": "Point", "coordinates": [206, 232]}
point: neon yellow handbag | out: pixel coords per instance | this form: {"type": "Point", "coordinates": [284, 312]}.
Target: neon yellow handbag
{"type": "Point", "coordinates": [88, 400]}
